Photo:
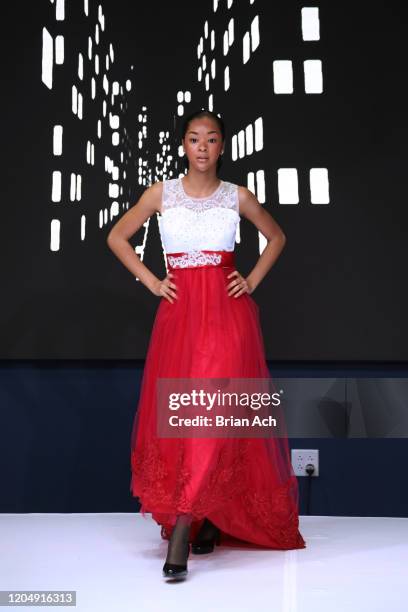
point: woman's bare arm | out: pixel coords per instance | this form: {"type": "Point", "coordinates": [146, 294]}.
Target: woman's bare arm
{"type": "Point", "coordinates": [118, 240]}
{"type": "Point", "coordinates": [251, 209]}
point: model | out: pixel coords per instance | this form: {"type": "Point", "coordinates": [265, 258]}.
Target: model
{"type": "Point", "coordinates": [211, 490]}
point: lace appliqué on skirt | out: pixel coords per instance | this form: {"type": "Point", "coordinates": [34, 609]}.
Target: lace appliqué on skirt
{"type": "Point", "coordinates": [151, 480]}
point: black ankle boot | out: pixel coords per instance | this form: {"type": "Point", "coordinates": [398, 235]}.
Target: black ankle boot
{"type": "Point", "coordinates": [207, 537]}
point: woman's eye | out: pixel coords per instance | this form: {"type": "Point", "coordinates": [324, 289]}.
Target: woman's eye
{"type": "Point", "coordinates": [211, 139]}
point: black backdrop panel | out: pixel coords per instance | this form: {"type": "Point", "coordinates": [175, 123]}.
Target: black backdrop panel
{"type": "Point", "coordinates": [338, 292]}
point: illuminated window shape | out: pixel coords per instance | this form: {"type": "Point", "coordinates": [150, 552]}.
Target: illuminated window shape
{"type": "Point", "coordinates": [206, 29]}
{"type": "Point", "coordinates": [86, 7]}
{"type": "Point", "coordinates": [215, 5]}
{"type": "Point", "coordinates": [60, 10]}
{"type": "Point", "coordinates": [47, 60]}
{"type": "Point", "coordinates": [55, 233]}
{"type": "Point", "coordinates": [211, 102]}
{"type": "Point", "coordinates": [234, 148]}
{"type": "Point", "coordinates": [115, 139]}
{"type": "Point", "coordinates": [251, 182]}
{"type": "Point", "coordinates": [113, 190]}
{"type": "Point", "coordinates": [207, 81]}
{"type": "Point", "coordinates": [114, 121]}
{"type": "Point", "coordinates": [255, 33]}
{"type": "Point", "coordinates": [74, 100]}
{"type": "Point", "coordinates": [283, 77]}
{"type": "Point", "coordinates": [249, 135]}
{"type": "Point", "coordinates": [319, 186]}
{"type": "Point", "coordinates": [245, 48]}
{"type": "Point", "coordinates": [80, 106]}
{"type": "Point", "coordinates": [187, 96]}
{"type": "Point", "coordinates": [99, 129]}
{"type": "Point", "coordinates": [288, 188]}
{"type": "Point", "coordinates": [57, 140]}
{"type": "Point", "coordinates": [80, 66]}
{"type": "Point", "coordinates": [114, 209]}
{"type": "Point", "coordinates": [56, 186]}
{"type": "Point", "coordinates": [259, 134]}
{"type": "Point", "coordinates": [231, 31]}
{"type": "Point", "coordinates": [59, 50]}
{"type": "Point", "coordinates": [96, 63]}
{"type": "Point", "coordinates": [213, 69]}
{"type": "Point", "coordinates": [105, 84]}
{"type": "Point", "coordinates": [226, 78]}
{"type": "Point", "coordinates": [212, 39]}
{"type": "Point", "coordinates": [83, 227]}
{"type": "Point", "coordinates": [72, 190]}
{"type": "Point", "coordinates": [101, 17]}
{"type": "Point", "coordinates": [260, 186]}
{"type": "Point", "coordinates": [128, 84]}
{"type": "Point", "coordinates": [89, 48]}
{"type": "Point", "coordinates": [313, 76]}
{"type": "Point", "coordinates": [310, 23]}
{"type": "Point", "coordinates": [78, 187]}
{"type": "Point", "coordinates": [241, 143]}
{"type": "Point", "coordinates": [225, 42]}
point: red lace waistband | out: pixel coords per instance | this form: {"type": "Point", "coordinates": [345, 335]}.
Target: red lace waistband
{"type": "Point", "coordinates": [201, 259]}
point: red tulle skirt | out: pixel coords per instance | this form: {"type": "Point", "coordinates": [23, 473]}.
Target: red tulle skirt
{"type": "Point", "coordinates": [245, 486]}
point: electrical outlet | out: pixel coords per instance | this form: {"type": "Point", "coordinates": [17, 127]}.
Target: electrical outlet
{"type": "Point", "coordinates": [301, 458]}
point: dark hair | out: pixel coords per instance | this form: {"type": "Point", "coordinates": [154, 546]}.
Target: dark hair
{"type": "Point", "coordinates": [197, 115]}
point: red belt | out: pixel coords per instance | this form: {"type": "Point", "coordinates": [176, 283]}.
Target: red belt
{"type": "Point", "coordinates": [200, 259]}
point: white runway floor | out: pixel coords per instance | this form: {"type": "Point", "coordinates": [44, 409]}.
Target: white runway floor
{"type": "Point", "coordinates": [114, 563]}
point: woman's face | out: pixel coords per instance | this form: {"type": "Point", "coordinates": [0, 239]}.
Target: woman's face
{"type": "Point", "coordinates": [203, 143]}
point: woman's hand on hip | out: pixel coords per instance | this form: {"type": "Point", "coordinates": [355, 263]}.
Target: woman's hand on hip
{"type": "Point", "coordinates": [238, 285]}
{"type": "Point", "coordinates": [165, 288]}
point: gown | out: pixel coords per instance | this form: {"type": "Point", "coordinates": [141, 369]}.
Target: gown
{"type": "Point", "coordinates": [244, 485]}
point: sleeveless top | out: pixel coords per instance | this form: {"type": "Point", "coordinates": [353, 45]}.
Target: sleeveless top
{"type": "Point", "coordinates": [190, 224]}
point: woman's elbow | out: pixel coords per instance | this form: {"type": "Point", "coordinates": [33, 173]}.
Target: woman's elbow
{"type": "Point", "coordinates": [111, 237]}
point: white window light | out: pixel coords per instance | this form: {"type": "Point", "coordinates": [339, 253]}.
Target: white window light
{"type": "Point", "coordinates": [288, 186]}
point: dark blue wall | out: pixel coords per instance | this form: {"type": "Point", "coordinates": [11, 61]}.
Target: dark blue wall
{"type": "Point", "coordinates": [65, 436]}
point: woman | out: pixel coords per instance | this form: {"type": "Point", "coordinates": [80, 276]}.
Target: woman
{"type": "Point", "coordinates": [202, 491]}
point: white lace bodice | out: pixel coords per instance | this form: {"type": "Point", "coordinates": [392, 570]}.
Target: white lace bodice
{"type": "Point", "coordinates": [190, 224]}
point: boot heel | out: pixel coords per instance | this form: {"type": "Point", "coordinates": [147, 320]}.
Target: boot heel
{"type": "Point", "coordinates": [202, 547]}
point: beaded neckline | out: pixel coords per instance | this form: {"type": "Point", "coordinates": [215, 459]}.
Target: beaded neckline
{"type": "Point", "coordinates": [205, 197]}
